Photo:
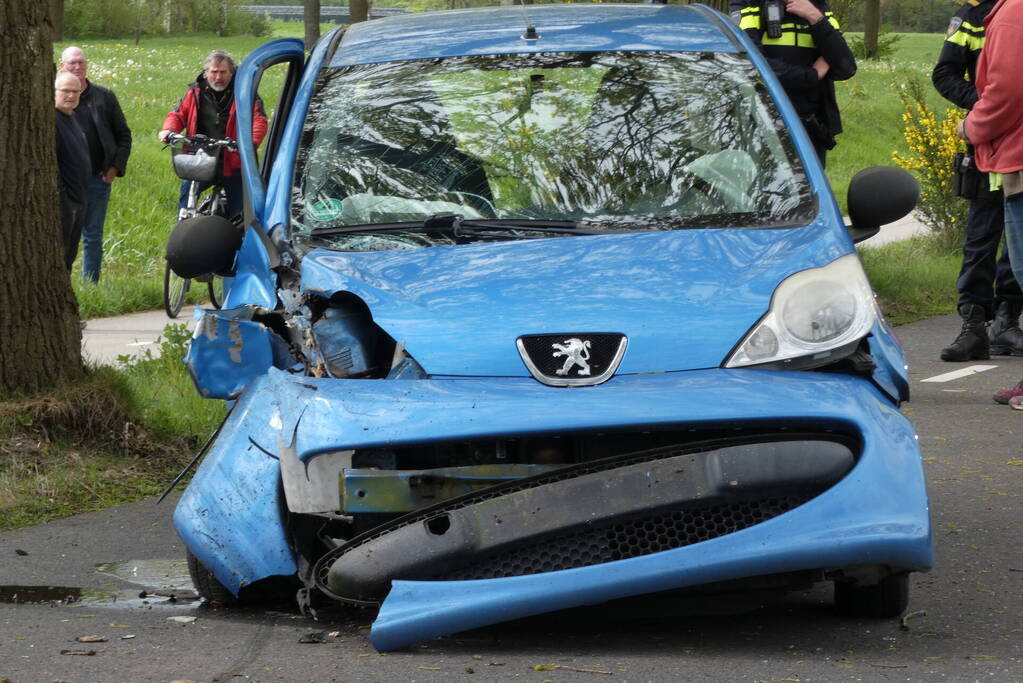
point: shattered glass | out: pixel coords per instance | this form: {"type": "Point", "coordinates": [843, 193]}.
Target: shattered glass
{"type": "Point", "coordinates": [610, 141]}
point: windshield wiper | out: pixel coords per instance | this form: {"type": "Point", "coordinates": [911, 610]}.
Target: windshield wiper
{"type": "Point", "coordinates": [458, 226]}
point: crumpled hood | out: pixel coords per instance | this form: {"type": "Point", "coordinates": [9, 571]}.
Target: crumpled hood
{"type": "Point", "coordinates": [683, 298]}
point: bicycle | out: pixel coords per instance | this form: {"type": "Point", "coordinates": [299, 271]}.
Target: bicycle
{"type": "Point", "coordinates": [196, 159]}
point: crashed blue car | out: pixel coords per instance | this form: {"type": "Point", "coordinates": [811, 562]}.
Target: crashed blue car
{"type": "Point", "coordinates": [543, 307]}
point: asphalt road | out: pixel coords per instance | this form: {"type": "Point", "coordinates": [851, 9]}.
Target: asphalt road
{"type": "Point", "coordinates": [965, 621]}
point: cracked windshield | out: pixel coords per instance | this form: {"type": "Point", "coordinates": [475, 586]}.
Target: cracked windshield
{"type": "Point", "coordinates": [413, 154]}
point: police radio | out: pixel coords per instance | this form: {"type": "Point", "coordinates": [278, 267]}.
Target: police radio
{"type": "Point", "coordinates": [772, 11]}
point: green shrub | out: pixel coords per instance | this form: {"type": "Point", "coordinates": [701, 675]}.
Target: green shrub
{"type": "Point", "coordinates": [932, 142]}
{"type": "Point", "coordinates": [260, 25]}
{"type": "Point", "coordinates": [887, 45]}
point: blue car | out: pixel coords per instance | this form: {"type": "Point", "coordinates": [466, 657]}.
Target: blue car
{"type": "Point", "coordinates": [540, 307]}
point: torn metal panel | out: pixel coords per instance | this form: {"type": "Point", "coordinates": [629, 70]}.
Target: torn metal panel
{"type": "Point", "coordinates": [228, 350]}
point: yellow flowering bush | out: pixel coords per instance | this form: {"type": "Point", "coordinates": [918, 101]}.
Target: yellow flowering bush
{"type": "Point", "coordinates": [932, 145]}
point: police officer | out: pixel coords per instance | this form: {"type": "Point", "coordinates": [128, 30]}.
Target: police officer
{"type": "Point", "coordinates": [802, 43]}
{"type": "Point", "coordinates": [954, 77]}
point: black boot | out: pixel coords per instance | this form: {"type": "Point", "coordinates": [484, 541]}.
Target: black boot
{"type": "Point", "coordinates": [972, 342]}
{"type": "Point", "coordinates": [1006, 336]}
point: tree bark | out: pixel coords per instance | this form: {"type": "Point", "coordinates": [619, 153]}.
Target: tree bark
{"type": "Point", "coordinates": [358, 10]}
{"type": "Point", "coordinates": [40, 340]}
{"type": "Point", "coordinates": [57, 17]}
{"type": "Point", "coordinates": [222, 18]}
{"type": "Point", "coordinates": [871, 27]}
{"type": "Point", "coordinates": [311, 16]}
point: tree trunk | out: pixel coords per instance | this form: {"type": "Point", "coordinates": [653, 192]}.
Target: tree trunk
{"type": "Point", "coordinates": [358, 10]}
{"type": "Point", "coordinates": [40, 340]}
{"type": "Point", "coordinates": [871, 27]}
{"type": "Point", "coordinates": [222, 18]}
{"type": "Point", "coordinates": [311, 16]}
{"type": "Point", "coordinates": [57, 17]}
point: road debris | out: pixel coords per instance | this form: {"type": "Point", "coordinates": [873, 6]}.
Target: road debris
{"type": "Point", "coordinates": [83, 653]}
{"type": "Point", "coordinates": [19, 551]}
{"type": "Point", "coordinates": [903, 623]}
{"type": "Point", "coordinates": [566, 667]}
{"type": "Point", "coordinates": [182, 620]}
{"type": "Point", "coordinates": [91, 639]}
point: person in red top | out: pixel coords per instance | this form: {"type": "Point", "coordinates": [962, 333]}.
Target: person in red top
{"type": "Point", "coordinates": [209, 108]}
{"type": "Point", "coordinates": [995, 127]}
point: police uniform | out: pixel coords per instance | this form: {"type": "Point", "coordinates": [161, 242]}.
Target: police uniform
{"type": "Point", "coordinates": [954, 76]}
{"type": "Point", "coordinates": [791, 57]}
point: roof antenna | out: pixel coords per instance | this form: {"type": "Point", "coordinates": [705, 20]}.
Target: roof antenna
{"type": "Point", "coordinates": [530, 33]}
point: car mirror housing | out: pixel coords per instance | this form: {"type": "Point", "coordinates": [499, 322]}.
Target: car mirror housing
{"type": "Point", "coordinates": [879, 195]}
{"type": "Point", "coordinates": [201, 245]}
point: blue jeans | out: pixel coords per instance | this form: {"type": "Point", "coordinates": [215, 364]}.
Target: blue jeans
{"type": "Point", "coordinates": [92, 230]}
{"type": "Point", "coordinates": [232, 187]}
{"type": "Point", "coordinates": [1014, 233]}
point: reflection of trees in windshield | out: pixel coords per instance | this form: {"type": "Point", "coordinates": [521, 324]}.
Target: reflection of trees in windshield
{"type": "Point", "coordinates": [616, 138]}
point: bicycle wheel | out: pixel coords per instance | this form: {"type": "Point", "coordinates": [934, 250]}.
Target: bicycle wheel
{"type": "Point", "coordinates": [215, 287]}
{"type": "Point", "coordinates": [175, 289]}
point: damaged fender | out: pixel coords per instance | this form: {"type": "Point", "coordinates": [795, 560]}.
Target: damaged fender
{"type": "Point", "coordinates": [231, 516]}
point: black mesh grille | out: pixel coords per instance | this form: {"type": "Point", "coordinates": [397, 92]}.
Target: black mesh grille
{"type": "Point", "coordinates": [633, 538]}
{"type": "Point", "coordinates": [540, 349]}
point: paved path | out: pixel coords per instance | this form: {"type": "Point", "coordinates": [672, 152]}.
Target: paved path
{"type": "Point", "coordinates": [104, 339]}
{"type": "Point", "coordinates": [893, 232]}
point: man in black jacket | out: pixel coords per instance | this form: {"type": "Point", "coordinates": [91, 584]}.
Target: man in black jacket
{"type": "Point", "coordinates": [72, 162]}
{"type": "Point", "coordinates": [807, 53]}
{"type": "Point", "coordinates": [982, 271]}
{"type": "Point", "coordinates": [101, 119]}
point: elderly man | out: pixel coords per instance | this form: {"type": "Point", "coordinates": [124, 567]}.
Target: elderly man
{"type": "Point", "coordinates": [209, 108]}
{"type": "Point", "coordinates": [72, 163]}
{"type": "Point", "coordinates": [106, 130]}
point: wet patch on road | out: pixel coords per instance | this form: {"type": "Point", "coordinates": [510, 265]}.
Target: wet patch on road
{"type": "Point", "coordinates": [161, 584]}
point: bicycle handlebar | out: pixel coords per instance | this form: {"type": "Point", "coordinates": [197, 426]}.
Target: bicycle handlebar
{"type": "Point", "coordinates": [203, 141]}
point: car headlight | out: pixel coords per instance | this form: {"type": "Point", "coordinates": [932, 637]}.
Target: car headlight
{"type": "Point", "coordinates": [815, 316]}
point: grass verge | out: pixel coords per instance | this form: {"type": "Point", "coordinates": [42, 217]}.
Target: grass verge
{"type": "Point", "coordinates": [914, 279]}
{"type": "Point", "coordinates": [119, 435]}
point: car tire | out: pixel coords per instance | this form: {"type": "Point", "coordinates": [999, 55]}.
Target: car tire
{"type": "Point", "coordinates": [884, 600]}
{"type": "Point", "coordinates": [206, 584]}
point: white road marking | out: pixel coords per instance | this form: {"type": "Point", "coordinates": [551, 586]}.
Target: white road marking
{"type": "Point", "coordinates": [147, 343]}
{"type": "Point", "coordinates": [958, 374]}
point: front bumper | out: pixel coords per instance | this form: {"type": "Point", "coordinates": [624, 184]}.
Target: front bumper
{"type": "Point", "coordinates": [231, 515]}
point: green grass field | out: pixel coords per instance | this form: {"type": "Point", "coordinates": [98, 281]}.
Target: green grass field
{"type": "Point", "coordinates": [150, 78]}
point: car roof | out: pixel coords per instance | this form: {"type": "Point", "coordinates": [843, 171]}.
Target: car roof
{"type": "Point", "coordinates": [561, 28]}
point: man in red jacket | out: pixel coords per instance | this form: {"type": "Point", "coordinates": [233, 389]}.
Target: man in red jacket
{"type": "Point", "coordinates": [208, 108]}
{"type": "Point", "coordinates": [995, 127]}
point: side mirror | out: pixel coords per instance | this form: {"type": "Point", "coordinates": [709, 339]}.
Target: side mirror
{"type": "Point", "coordinates": [879, 195]}
{"type": "Point", "coordinates": [202, 245]}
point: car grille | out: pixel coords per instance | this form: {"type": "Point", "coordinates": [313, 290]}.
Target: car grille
{"type": "Point", "coordinates": [633, 538]}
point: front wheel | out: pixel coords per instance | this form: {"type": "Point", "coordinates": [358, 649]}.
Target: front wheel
{"type": "Point", "coordinates": [886, 599]}
{"type": "Point", "coordinates": [175, 289]}
{"type": "Point", "coordinates": [215, 287]}
{"type": "Point", "coordinates": [206, 584]}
